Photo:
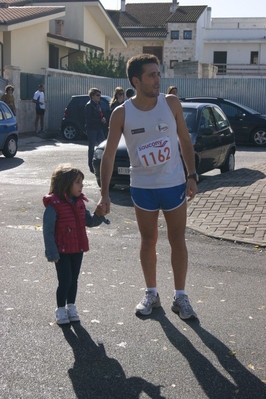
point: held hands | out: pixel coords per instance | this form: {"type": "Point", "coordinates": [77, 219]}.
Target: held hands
{"type": "Point", "coordinates": [100, 210]}
{"type": "Point", "coordinates": [103, 120]}
{"type": "Point", "coordinates": [192, 189]}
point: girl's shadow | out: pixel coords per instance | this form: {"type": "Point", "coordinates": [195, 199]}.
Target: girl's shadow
{"type": "Point", "coordinates": [96, 376]}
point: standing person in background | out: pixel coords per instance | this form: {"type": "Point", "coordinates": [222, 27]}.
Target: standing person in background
{"type": "Point", "coordinates": [38, 99]}
{"type": "Point", "coordinates": [172, 90]}
{"type": "Point", "coordinates": [94, 120]}
{"type": "Point", "coordinates": [155, 133]}
{"type": "Point", "coordinates": [64, 230]}
{"type": "Point", "coordinates": [129, 93]}
{"type": "Point", "coordinates": [9, 99]}
{"type": "Point", "coordinates": [118, 98]}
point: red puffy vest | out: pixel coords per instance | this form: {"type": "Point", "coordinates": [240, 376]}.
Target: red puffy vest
{"type": "Point", "coordinates": [70, 228]}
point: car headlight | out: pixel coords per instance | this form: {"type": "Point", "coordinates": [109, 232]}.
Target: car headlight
{"type": "Point", "coordinates": [98, 153]}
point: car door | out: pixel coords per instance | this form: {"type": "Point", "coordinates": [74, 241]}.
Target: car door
{"type": "Point", "coordinates": [7, 123]}
{"type": "Point", "coordinates": [239, 119]}
{"type": "Point", "coordinates": [225, 133]}
{"type": "Point", "coordinates": [208, 142]}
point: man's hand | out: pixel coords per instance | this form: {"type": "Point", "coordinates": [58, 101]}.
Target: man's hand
{"type": "Point", "coordinates": [104, 205]}
{"type": "Point", "coordinates": [192, 189]}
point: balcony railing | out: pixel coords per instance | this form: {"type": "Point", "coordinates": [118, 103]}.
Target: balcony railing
{"type": "Point", "coordinates": [241, 69]}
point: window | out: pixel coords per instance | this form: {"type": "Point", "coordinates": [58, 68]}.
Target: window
{"type": "Point", "coordinates": [174, 34]}
{"type": "Point", "coordinates": [158, 51]}
{"type": "Point", "coordinates": [7, 112]}
{"type": "Point", "coordinates": [53, 57]}
{"type": "Point", "coordinates": [172, 63]}
{"type": "Point", "coordinates": [254, 57]}
{"type": "Point", "coordinates": [220, 60]}
{"type": "Point", "coordinates": [207, 119]}
{"type": "Point", "coordinates": [187, 34]}
{"type": "Point", "coordinates": [222, 122]}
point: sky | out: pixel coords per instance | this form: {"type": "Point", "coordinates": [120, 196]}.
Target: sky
{"type": "Point", "coordinates": [220, 8]}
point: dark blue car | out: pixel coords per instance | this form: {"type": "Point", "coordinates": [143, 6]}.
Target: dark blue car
{"type": "Point", "coordinates": [8, 131]}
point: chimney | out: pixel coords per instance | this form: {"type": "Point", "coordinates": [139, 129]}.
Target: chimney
{"type": "Point", "coordinates": [59, 27]}
{"type": "Point", "coordinates": [173, 7]}
{"type": "Point", "coordinates": [123, 5]}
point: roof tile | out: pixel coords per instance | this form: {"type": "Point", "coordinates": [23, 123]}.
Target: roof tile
{"type": "Point", "coordinates": [154, 15]}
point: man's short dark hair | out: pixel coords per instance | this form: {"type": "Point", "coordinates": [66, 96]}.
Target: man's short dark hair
{"type": "Point", "coordinates": [135, 64]}
{"type": "Point", "coordinates": [129, 92]}
{"type": "Point", "coordinates": [41, 85]}
{"type": "Point", "coordinates": [94, 91]}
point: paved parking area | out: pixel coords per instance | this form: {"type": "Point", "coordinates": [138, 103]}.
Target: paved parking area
{"type": "Point", "coordinates": [232, 206]}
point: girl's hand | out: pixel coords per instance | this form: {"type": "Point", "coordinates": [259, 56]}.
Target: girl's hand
{"type": "Point", "coordinates": [54, 261]}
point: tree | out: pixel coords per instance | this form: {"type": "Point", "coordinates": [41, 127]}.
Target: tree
{"type": "Point", "coordinates": [96, 64]}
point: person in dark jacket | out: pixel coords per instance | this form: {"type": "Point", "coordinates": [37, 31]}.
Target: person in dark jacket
{"type": "Point", "coordinates": [94, 119]}
{"type": "Point", "coordinates": [64, 230]}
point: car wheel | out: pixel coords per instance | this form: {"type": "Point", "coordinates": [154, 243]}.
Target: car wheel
{"type": "Point", "coordinates": [111, 185]}
{"type": "Point", "coordinates": [11, 147]}
{"type": "Point", "coordinates": [259, 137]}
{"type": "Point", "coordinates": [229, 165]}
{"type": "Point", "coordinates": [70, 132]}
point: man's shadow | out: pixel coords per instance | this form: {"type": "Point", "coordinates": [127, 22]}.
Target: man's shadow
{"type": "Point", "coordinates": [214, 384]}
{"type": "Point", "coordinates": [96, 376]}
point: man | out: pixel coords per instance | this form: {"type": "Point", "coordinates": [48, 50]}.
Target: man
{"type": "Point", "coordinates": [95, 120]}
{"type": "Point", "coordinates": [38, 99]}
{"type": "Point", "coordinates": [154, 130]}
{"type": "Point", "coordinates": [129, 93]}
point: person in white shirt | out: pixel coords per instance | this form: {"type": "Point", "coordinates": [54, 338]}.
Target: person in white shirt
{"type": "Point", "coordinates": [156, 135]}
{"type": "Point", "coordinates": [38, 99]}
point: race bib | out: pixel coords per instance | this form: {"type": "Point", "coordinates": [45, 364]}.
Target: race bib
{"type": "Point", "coordinates": [155, 153]}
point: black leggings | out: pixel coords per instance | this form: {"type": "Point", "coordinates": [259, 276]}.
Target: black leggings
{"type": "Point", "coordinates": [68, 268]}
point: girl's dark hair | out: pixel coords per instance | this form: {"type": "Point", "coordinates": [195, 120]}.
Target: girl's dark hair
{"type": "Point", "coordinates": [62, 179]}
{"type": "Point", "coordinates": [135, 64]}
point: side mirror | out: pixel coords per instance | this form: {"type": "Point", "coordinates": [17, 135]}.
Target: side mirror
{"type": "Point", "coordinates": [206, 131]}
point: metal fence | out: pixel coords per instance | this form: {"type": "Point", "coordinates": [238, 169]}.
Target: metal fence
{"type": "Point", "coordinates": [59, 89]}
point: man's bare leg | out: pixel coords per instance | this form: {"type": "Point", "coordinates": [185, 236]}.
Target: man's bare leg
{"type": "Point", "coordinates": [148, 228]}
{"type": "Point", "coordinates": [176, 227]}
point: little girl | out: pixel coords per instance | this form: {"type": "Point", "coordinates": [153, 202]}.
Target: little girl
{"type": "Point", "coordinates": [65, 238]}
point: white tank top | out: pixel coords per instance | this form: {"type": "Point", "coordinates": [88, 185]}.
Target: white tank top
{"type": "Point", "coordinates": [153, 146]}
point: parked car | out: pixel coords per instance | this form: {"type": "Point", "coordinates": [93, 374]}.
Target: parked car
{"type": "Point", "coordinates": [73, 122]}
{"type": "Point", "coordinates": [249, 125]}
{"type": "Point", "coordinates": [212, 137]}
{"type": "Point", "coordinates": [8, 131]}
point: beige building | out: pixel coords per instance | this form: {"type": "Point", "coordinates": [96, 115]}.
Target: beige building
{"type": "Point", "coordinates": [40, 34]}
{"type": "Point", "coordinates": [170, 31]}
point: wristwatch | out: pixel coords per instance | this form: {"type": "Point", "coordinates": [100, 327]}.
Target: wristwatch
{"type": "Point", "coordinates": [193, 176]}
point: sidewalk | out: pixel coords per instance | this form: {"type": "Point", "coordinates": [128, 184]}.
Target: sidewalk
{"type": "Point", "coordinates": [232, 206]}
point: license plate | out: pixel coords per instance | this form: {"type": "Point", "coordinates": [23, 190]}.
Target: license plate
{"type": "Point", "coordinates": [123, 171]}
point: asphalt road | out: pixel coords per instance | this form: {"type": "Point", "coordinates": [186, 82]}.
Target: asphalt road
{"type": "Point", "coordinates": [112, 354]}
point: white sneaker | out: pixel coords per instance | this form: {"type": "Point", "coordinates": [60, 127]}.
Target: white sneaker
{"type": "Point", "coordinates": [183, 308]}
{"type": "Point", "coordinates": [72, 312]}
{"type": "Point", "coordinates": [149, 302]}
{"type": "Point", "coordinates": [61, 316]}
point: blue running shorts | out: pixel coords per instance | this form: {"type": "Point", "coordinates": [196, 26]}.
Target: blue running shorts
{"type": "Point", "coordinates": [153, 199]}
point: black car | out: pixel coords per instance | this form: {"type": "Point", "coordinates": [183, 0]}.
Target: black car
{"type": "Point", "coordinates": [73, 122]}
{"type": "Point", "coordinates": [249, 125]}
{"type": "Point", "coordinates": [212, 137]}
